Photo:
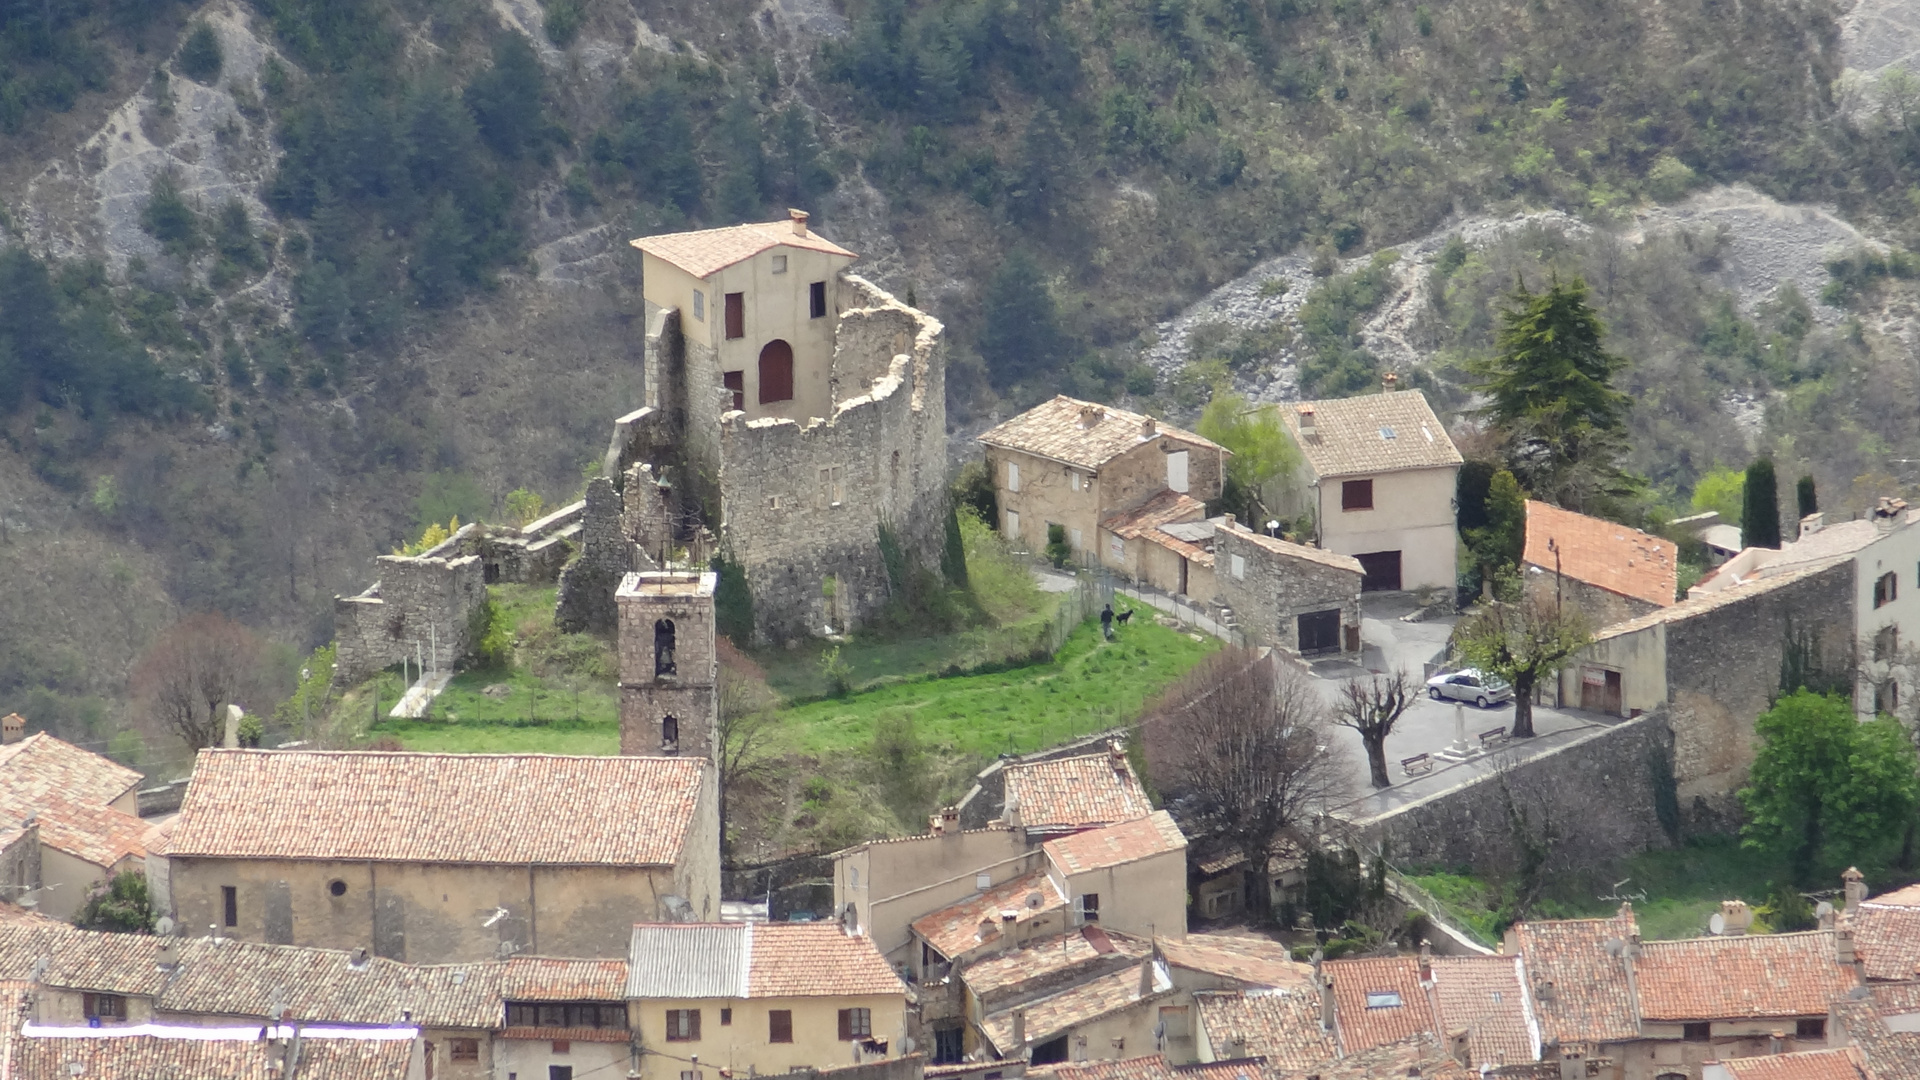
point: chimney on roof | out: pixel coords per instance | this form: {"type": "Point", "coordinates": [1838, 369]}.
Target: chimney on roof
{"type": "Point", "coordinates": [1020, 1033]}
{"type": "Point", "coordinates": [1458, 1049]}
{"type": "Point", "coordinates": [1573, 1062]}
{"type": "Point", "coordinates": [1737, 916]}
{"type": "Point", "coordinates": [1389, 383]}
{"type": "Point", "coordinates": [949, 821]}
{"type": "Point", "coordinates": [1146, 976]}
{"type": "Point", "coordinates": [799, 219]}
{"type": "Point", "coordinates": [13, 728]}
{"type": "Point", "coordinates": [1117, 756]}
{"type": "Point", "coordinates": [1812, 523]}
{"type": "Point", "coordinates": [1326, 998]}
{"type": "Point", "coordinates": [1823, 914]}
{"type": "Point", "coordinates": [988, 929]}
{"type": "Point", "coordinates": [169, 957]}
{"type": "Point", "coordinates": [1149, 427]}
{"type": "Point", "coordinates": [1091, 414]}
{"type": "Point", "coordinates": [1307, 426]}
{"type": "Point", "coordinates": [1889, 514]}
{"type": "Point", "coordinates": [1545, 991]}
{"type": "Point", "coordinates": [1426, 961]}
{"type": "Point", "coordinates": [1011, 814]}
{"type": "Point", "coordinates": [1843, 945]}
{"type": "Point", "coordinates": [357, 959]}
{"type": "Point", "coordinates": [1855, 885]}
{"type": "Point", "coordinates": [1237, 1047]}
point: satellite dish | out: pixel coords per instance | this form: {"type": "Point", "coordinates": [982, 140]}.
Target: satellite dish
{"type": "Point", "coordinates": [1034, 900]}
{"type": "Point", "coordinates": [163, 926]}
{"type": "Point", "coordinates": [1717, 924]}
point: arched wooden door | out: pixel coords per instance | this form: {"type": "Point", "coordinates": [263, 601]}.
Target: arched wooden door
{"type": "Point", "coordinates": [776, 372]}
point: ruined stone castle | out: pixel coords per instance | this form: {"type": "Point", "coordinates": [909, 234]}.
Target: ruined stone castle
{"type": "Point", "coordinates": [792, 412]}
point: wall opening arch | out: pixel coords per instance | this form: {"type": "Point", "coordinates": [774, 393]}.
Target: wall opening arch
{"type": "Point", "coordinates": [776, 372]}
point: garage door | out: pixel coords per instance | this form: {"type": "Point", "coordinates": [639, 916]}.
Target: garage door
{"type": "Point", "coordinates": [1320, 631]}
{"type": "Point", "coordinates": [1382, 569]}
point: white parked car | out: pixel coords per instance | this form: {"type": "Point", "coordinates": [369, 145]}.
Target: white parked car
{"type": "Point", "coordinates": [1469, 684]}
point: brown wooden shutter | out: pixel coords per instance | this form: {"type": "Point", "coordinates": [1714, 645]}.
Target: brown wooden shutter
{"type": "Point", "coordinates": [693, 1024]}
{"type": "Point", "coordinates": [736, 315]}
{"type": "Point", "coordinates": [780, 1025]}
{"type": "Point", "coordinates": [846, 1024]}
{"type": "Point", "coordinates": [1356, 495]}
{"type": "Point", "coordinates": [776, 372]}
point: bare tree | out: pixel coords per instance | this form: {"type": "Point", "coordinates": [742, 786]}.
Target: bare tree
{"type": "Point", "coordinates": [1371, 706]}
{"type": "Point", "coordinates": [185, 680]}
{"type": "Point", "coordinates": [1523, 642]}
{"type": "Point", "coordinates": [748, 721]}
{"type": "Point", "coordinates": [1240, 742]}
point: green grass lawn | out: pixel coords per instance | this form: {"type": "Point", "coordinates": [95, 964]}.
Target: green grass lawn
{"type": "Point", "coordinates": [568, 715]}
{"type": "Point", "coordinates": [795, 673]}
{"type": "Point", "coordinates": [1682, 886]}
{"type": "Point", "coordinates": [1089, 685]}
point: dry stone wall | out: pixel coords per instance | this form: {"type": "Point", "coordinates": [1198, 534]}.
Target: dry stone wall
{"type": "Point", "coordinates": [421, 604]}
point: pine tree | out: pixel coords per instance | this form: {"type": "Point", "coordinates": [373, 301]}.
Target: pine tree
{"type": "Point", "coordinates": [1760, 507]}
{"type": "Point", "coordinates": [505, 98]}
{"type": "Point", "coordinates": [1549, 353]}
{"type": "Point", "coordinates": [1022, 337]}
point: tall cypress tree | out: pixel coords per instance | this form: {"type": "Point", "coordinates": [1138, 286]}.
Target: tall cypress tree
{"type": "Point", "coordinates": [1760, 507]}
{"type": "Point", "coordinates": [1809, 499]}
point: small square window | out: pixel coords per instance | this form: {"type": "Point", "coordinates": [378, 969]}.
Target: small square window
{"type": "Point", "coordinates": [779, 264]}
{"type": "Point", "coordinates": [464, 1049]}
{"type": "Point", "coordinates": [1696, 1032]}
{"type": "Point", "coordinates": [1810, 1029]}
{"type": "Point", "coordinates": [1356, 495]}
{"type": "Point", "coordinates": [817, 300]}
{"type": "Point", "coordinates": [856, 1024]}
{"type": "Point", "coordinates": [683, 1025]}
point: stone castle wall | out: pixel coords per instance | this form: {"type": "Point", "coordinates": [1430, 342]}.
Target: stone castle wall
{"type": "Point", "coordinates": [802, 504]}
{"type": "Point", "coordinates": [425, 602]}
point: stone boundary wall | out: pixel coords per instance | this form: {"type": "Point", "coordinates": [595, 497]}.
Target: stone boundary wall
{"type": "Point", "coordinates": [1597, 793]}
{"type": "Point", "coordinates": [428, 599]}
{"type": "Point", "coordinates": [801, 504]}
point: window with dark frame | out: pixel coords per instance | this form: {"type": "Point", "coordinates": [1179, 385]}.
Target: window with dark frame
{"type": "Point", "coordinates": [230, 905]}
{"type": "Point", "coordinates": [1815, 1028]}
{"type": "Point", "coordinates": [1886, 589]}
{"type": "Point", "coordinates": [726, 1017]}
{"type": "Point", "coordinates": [1696, 1032]}
{"type": "Point", "coordinates": [683, 1025]}
{"type": "Point", "coordinates": [463, 1050]}
{"type": "Point", "coordinates": [1090, 907]}
{"type": "Point", "coordinates": [561, 1014]}
{"type": "Point", "coordinates": [779, 1025]}
{"type": "Point", "coordinates": [104, 1006]}
{"type": "Point", "coordinates": [1356, 495]}
{"type": "Point", "coordinates": [856, 1024]}
{"type": "Point", "coordinates": [736, 315]}
{"type": "Point", "coordinates": [817, 300]}
{"type": "Point", "coordinates": [1886, 643]}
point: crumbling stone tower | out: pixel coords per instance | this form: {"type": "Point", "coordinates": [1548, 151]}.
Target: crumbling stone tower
{"type": "Point", "coordinates": [668, 668]}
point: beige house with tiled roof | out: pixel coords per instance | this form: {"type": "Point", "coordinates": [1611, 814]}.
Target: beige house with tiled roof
{"type": "Point", "coordinates": [1088, 467]}
{"type": "Point", "coordinates": [444, 857]}
{"type": "Point", "coordinates": [1074, 793]}
{"type": "Point", "coordinates": [1378, 474]}
{"type": "Point", "coordinates": [762, 998]}
{"type": "Point", "coordinates": [78, 812]}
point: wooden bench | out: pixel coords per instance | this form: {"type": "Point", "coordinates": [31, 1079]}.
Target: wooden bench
{"type": "Point", "coordinates": [1417, 765]}
{"type": "Point", "coordinates": [1493, 737]}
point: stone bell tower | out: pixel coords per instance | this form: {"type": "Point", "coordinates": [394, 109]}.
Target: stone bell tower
{"type": "Point", "coordinates": [668, 667]}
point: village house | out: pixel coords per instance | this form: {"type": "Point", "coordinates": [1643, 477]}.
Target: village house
{"type": "Point", "coordinates": [1286, 595]}
{"type": "Point", "coordinates": [564, 1017]}
{"type": "Point", "coordinates": [1377, 478]}
{"type": "Point", "coordinates": [444, 857]}
{"type": "Point", "coordinates": [1885, 929]}
{"type": "Point", "coordinates": [1112, 480]}
{"type": "Point", "coordinates": [1883, 550]}
{"type": "Point", "coordinates": [1060, 796]}
{"type": "Point", "coordinates": [69, 821]}
{"type": "Point", "coordinates": [1110, 1016]}
{"type": "Point", "coordinates": [764, 998]}
{"type": "Point", "coordinates": [1609, 572]}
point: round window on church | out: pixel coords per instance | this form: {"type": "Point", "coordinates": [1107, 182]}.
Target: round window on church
{"type": "Point", "coordinates": [337, 887]}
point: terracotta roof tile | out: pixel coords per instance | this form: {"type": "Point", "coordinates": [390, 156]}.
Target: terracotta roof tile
{"type": "Point", "coordinates": [1186, 549]}
{"type": "Point", "coordinates": [1083, 433]}
{"type": "Point", "coordinates": [248, 979]}
{"type": "Point", "coordinates": [755, 960]}
{"type": "Point", "coordinates": [1603, 554]}
{"type": "Point", "coordinates": [1700, 605]}
{"type": "Point", "coordinates": [97, 834]}
{"type": "Point", "coordinates": [1886, 934]}
{"type": "Point", "coordinates": [1153, 1067]}
{"type": "Point", "coordinates": [1892, 1055]}
{"type": "Point", "coordinates": [567, 1034]}
{"type": "Point", "coordinates": [1351, 435]}
{"type": "Point", "coordinates": [547, 978]}
{"type": "Point", "coordinates": [1290, 550]}
{"type": "Point", "coordinates": [1249, 961]}
{"type": "Point", "coordinates": [1903, 897]}
{"type": "Point", "coordinates": [1045, 957]}
{"type": "Point", "coordinates": [1580, 993]}
{"type": "Point", "coordinates": [705, 252]}
{"type": "Point", "coordinates": [1164, 508]}
{"type": "Point", "coordinates": [439, 808]}
{"type": "Point", "coordinates": [1379, 1000]}
{"type": "Point", "coordinates": [1895, 998]}
{"type": "Point", "coordinates": [1841, 1064]}
{"type": "Point", "coordinates": [1094, 789]}
{"type": "Point", "coordinates": [1754, 975]}
{"type": "Point", "coordinates": [1483, 994]}
{"type": "Point", "coordinates": [955, 929]}
{"type": "Point", "coordinates": [81, 959]}
{"type": "Point", "coordinates": [143, 1057]}
{"type": "Point", "coordinates": [1281, 1025]}
{"type": "Point", "coordinates": [1115, 845]}
{"type": "Point", "coordinates": [1421, 1055]}
{"type": "Point", "coordinates": [1095, 998]}
{"type": "Point", "coordinates": [41, 764]}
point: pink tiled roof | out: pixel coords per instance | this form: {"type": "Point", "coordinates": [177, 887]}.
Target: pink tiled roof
{"type": "Point", "coordinates": [1084, 433]}
{"type": "Point", "coordinates": [1580, 991]}
{"type": "Point", "coordinates": [1362, 1027]}
{"type": "Point", "coordinates": [955, 929]}
{"type": "Point", "coordinates": [1249, 961]}
{"type": "Point", "coordinates": [1089, 947]}
{"type": "Point", "coordinates": [1750, 976]}
{"type": "Point", "coordinates": [1164, 508]}
{"type": "Point", "coordinates": [705, 252]}
{"type": "Point", "coordinates": [1483, 994]}
{"type": "Point", "coordinates": [441, 808]}
{"type": "Point", "coordinates": [1290, 550]}
{"type": "Point", "coordinates": [1049, 1016]}
{"type": "Point", "coordinates": [1886, 933]}
{"type": "Point", "coordinates": [1114, 845]}
{"type": "Point", "coordinates": [1841, 1064]}
{"type": "Point", "coordinates": [816, 959]}
{"type": "Point", "coordinates": [1603, 554]}
{"type": "Point", "coordinates": [97, 834]}
{"type": "Point", "coordinates": [548, 978]}
{"type": "Point", "coordinates": [1094, 789]}
{"type": "Point", "coordinates": [41, 764]}
{"type": "Point", "coordinates": [1372, 433]}
{"type": "Point", "coordinates": [1281, 1025]}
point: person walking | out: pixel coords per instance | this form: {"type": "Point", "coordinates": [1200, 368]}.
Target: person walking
{"type": "Point", "coordinates": [1106, 622]}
